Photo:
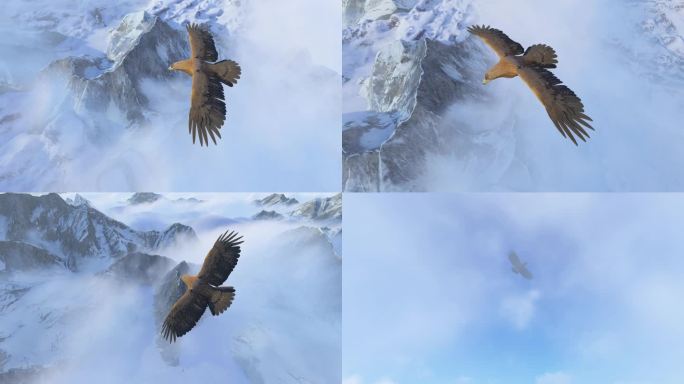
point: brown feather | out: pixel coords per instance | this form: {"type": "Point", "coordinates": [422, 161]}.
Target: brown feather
{"type": "Point", "coordinates": [221, 259]}
{"type": "Point", "coordinates": [562, 104]}
{"type": "Point", "coordinates": [184, 315]}
{"type": "Point", "coordinates": [497, 40]}
{"type": "Point", "coordinates": [207, 107]}
{"type": "Point", "coordinates": [201, 43]}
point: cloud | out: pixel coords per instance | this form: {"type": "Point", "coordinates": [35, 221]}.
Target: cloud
{"type": "Point", "coordinates": [437, 263]}
{"type": "Point", "coordinates": [356, 379]}
{"type": "Point", "coordinates": [520, 309]}
{"type": "Point", "coordinates": [554, 378]}
{"type": "Point", "coordinates": [386, 381]}
{"type": "Point", "coordinates": [510, 144]}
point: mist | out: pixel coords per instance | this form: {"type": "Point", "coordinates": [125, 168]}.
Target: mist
{"type": "Point", "coordinates": [284, 325]}
{"type": "Point", "coordinates": [602, 305]}
{"type": "Point", "coordinates": [610, 61]}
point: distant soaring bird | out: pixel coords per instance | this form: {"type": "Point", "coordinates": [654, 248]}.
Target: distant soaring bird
{"type": "Point", "coordinates": [207, 103]}
{"type": "Point", "coordinates": [204, 290]}
{"type": "Point", "coordinates": [564, 107]}
{"type": "Point", "coordinates": [518, 266]}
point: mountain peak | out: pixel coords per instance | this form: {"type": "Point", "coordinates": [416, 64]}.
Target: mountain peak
{"type": "Point", "coordinates": [143, 198]}
{"type": "Point", "coordinates": [276, 199]}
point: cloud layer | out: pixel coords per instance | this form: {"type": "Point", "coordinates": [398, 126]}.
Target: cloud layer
{"type": "Point", "coordinates": [602, 306]}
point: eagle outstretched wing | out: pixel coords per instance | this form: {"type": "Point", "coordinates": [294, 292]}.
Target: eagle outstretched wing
{"type": "Point", "coordinates": [201, 43]}
{"type": "Point", "coordinates": [221, 259]}
{"type": "Point", "coordinates": [513, 258]}
{"type": "Point", "coordinates": [207, 108]}
{"type": "Point", "coordinates": [564, 107]}
{"type": "Point", "coordinates": [497, 40]}
{"type": "Point", "coordinates": [184, 315]}
{"type": "Point", "coordinates": [518, 266]}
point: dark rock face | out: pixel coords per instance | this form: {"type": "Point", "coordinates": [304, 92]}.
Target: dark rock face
{"type": "Point", "coordinates": [73, 233]}
{"type": "Point", "coordinates": [321, 209]}
{"type": "Point", "coordinates": [141, 47]}
{"type": "Point", "coordinates": [268, 215]}
{"type": "Point", "coordinates": [140, 268]}
{"type": "Point", "coordinates": [173, 235]}
{"type": "Point", "coordinates": [448, 74]}
{"type": "Point", "coordinates": [21, 257]}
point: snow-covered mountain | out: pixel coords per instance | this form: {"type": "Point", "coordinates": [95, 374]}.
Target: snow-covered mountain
{"type": "Point", "coordinates": [406, 64]}
{"type": "Point", "coordinates": [267, 215]}
{"type": "Point", "coordinates": [276, 199]}
{"type": "Point", "coordinates": [662, 22]}
{"type": "Point", "coordinates": [143, 198]}
{"type": "Point", "coordinates": [87, 101]}
{"type": "Point", "coordinates": [83, 295]}
{"type": "Point", "coordinates": [77, 200]}
{"type": "Point", "coordinates": [416, 116]}
{"type": "Point", "coordinates": [80, 236]}
{"type": "Point", "coordinates": [321, 209]}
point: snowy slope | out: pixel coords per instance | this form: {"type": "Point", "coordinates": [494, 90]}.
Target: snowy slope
{"type": "Point", "coordinates": [81, 236]}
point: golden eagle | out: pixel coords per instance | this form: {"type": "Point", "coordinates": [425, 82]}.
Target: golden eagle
{"type": "Point", "coordinates": [207, 103]}
{"type": "Point", "coordinates": [204, 290]}
{"type": "Point", "coordinates": [564, 107]}
{"type": "Point", "coordinates": [517, 266]}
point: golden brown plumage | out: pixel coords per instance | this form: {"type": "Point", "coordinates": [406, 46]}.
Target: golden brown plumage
{"type": "Point", "coordinates": [562, 105]}
{"type": "Point", "coordinates": [204, 289]}
{"type": "Point", "coordinates": [207, 102]}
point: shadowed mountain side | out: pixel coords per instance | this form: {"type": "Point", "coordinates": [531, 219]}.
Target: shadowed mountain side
{"type": "Point", "coordinates": [168, 290]}
{"type": "Point", "coordinates": [140, 268]}
{"type": "Point", "coordinates": [77, 233]}
{"type": "Point", "coordinates": [16, 256]}
{"type": "Point", "coordinates": [140, 48]}
{"type": "Point", "coordinates": [276, 199]}
{"type": "Point", "coordinates": [320, 209]}
{"type": "Point", "coordinates": [441, 75]}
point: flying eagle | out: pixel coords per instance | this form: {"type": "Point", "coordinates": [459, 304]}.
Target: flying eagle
{"type": "Point", "coordinates": [564, 107]}
{"type": "Point", "coordinates": [518, 266]}
{"type": "Point", "coordinates": [207, 103]}
{"type": "Point", "coordinates": [204, 290]}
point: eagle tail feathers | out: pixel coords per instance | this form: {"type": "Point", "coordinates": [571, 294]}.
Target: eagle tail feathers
{"type": "Point", "coordinates": [541, 55]}
{"type": "Point", "coordinates": [221, 299]}
{"type": "Point", "coordinates": [227, 71]}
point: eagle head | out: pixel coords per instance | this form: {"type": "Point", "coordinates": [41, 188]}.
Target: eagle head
{"type": "Point", "coordinates": [486, 79]}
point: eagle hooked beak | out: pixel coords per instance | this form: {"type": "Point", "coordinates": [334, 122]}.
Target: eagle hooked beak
{"type": "Point", "coordinates": [485, 81]}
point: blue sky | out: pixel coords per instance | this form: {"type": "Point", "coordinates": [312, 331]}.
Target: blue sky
{"type": "Point", "coordinates": [429, 296]}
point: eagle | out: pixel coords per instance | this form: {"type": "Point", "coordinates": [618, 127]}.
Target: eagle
{"type": "Point", "coordinates": [207, 103]}
{"type": "Point", "coordinates": [518, 266]}
{"type": "Point", "coordinates": [562, 104]}
{"type": "Point", "coordinates": [204, 290]}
